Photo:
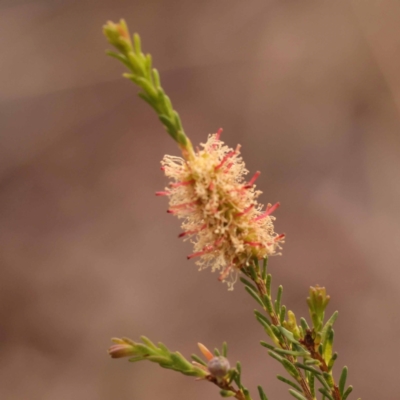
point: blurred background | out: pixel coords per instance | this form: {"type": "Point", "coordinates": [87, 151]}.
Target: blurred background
{"type": "Point", "coordinates": [310, 89]}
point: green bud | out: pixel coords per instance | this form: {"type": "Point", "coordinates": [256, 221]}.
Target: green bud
{"type": "Point", "coordinates": [317, 303]}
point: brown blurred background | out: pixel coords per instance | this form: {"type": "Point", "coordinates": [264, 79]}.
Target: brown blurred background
{"type": "Point", "coordinates": [310, 89]}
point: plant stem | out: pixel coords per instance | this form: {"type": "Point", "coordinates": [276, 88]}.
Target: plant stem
{"type": "Point", "coordinates": [261, 287]}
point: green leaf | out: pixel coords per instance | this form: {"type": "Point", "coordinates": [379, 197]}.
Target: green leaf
{"type": "Point", "coordinates": [347, 392]}
{"type": "Point", "coordinates": [289, 382]}
{"type": "Point", "coordinates": [148, 342]}
{"type": "Point", "coordinates": [262, 317]}
{"type": "Point", "coordinates": [296, 395]}
{"type": "Point", "coordinates": [282, 315]}
{"type": "Point", "coordinates": [247, 283]}
{"type": "Point", "coordinates": [227, 393]}
{"type": "Point", "coordinates": [323, 382]}
{"type": "Point", "coordinates": [326, 393]}
{"type": "Point", "coordinates": [268, 304]}
{"type": "Point", "coordinates": [332, 361]}
{"type": "Point", "coordinates": [342, 380]}
{"type": "Point", "coordinates": [264, 268]}
{"type": "Point", "coordinates": [276, 356]}
{"type": "Point", "coordinates": [311, 383]}
{"type": "Point", "coordinates": [330, 322]}
{"type": "Point", "coordinates": [268, 284]}
{"type": "Point", "coordinates": [261, 393]}
{"type": "Point", "coordinates": [292, 353]}
{"type": "Point", "coordinates": [255, 296]}
{"type": "Point", "coordinates": [267, 345]}
{"type": "Point", "coordinates": [307, 368]}
{"type": "Point", "coordinates": [225, 349]}
{"type": "Point", "coordinates": [198, 359]}
{"type": "Point", "coordinates": [327, 344]}
{"type": "Point", "coordinates": [288, 335]}
{"type": "Point", "coordinates": [278, 300]}
{"type": "Point", "coordinates": [304, 324]}
{"type": "Point", "coordinates": [290, 368]}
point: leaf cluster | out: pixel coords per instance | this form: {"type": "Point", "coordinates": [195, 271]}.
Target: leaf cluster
{"type": "Point", "coordinates": [146, 77]}
{"type": "Point", "coordinates": [306, 353]}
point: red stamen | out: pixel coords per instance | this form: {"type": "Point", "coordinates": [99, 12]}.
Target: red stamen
{"type": "Point", "coordinates": [192, 232]}
{"type": "Point", "coordinates": [252, 180]}
{"type": "Point", "coordinates": [162, 193]}
{"type": "Point", "coordinates": [228, 167]}
{"type": "Point", "coordinates": [229, 155]}
{"type": "Point", "coordinates": [245, 211]}
{"type": "Point", "coordinates": [206, 249]}
{"type": "Point", "coordinates": [225, 273]}
{"type": "Point", "coordinates": [254, 244]}
{"type": "Point", "coordinates": [279, 237]}
{"type": "Point", "coordinates": [218, 241]}
{"type": "Point", "coordinates": [211, 186]}
{"type": "Point", "coordinates": [184, 205]}
{"type": "Point", "coordinates": [268, 211]}
{"type": "Point", "coordinates": [184, 183]}
{"type": "Point", "coordinates": [218, 134]}
{"type": "Point", "coordinates": [162, 168]}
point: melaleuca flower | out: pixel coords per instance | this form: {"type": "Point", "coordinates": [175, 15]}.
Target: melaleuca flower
{"type": "Point", "coordinates": [222, 217]}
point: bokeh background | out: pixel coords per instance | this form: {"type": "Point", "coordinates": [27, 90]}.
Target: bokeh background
{"type": "Point", "coordinates": [309, 88]}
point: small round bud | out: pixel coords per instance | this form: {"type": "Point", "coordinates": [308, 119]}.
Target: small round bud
{"type": "Point", "coordinates": [218, 366]}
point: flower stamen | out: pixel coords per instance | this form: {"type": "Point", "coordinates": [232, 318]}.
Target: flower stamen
{"type": "Point", "coordinates": [268, 211]}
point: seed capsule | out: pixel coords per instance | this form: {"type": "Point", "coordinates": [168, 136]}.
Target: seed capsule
{"type": "Point", "coordinates": [218, 366]}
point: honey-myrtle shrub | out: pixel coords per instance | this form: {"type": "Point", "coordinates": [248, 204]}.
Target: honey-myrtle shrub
{"type": "Point", "coordinates": [233, 234]}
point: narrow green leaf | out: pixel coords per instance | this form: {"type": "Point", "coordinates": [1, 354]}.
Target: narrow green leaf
{"type": "Point", "coordinates": [304, 324]}
{"type": "Point", "coordinates": [325, 393]}
{"type": "Point", "coordinates": [347, 392]}
{"type": "Point", "coordinates": [225, 349]}
{"type": "Point", "coordinates": [267, 345]}
{"type": "Point", "coordinates": [137, 45]}
{"type": "Point", "coordinates": [282, 315]}
{"type": "Point", "coordinates": [199, 360]}
{"type": "Point", "coordinates": [311, 383]}
{"type": "Point", "coordinates": [216, 352]}
{"type": "Point", "coordinates": [268, 284]}
{"type": "Point", "coordinates": [148, 342]}
{"type": "Point", "coordinates": [296, 395]}
{"type": "Point", "coordinates": [276, 356]}
{"type": "Point", "coordinates": [288, 334]}
{"type": "Point", "coordinates": [290, 368]}
{"type": "Point", "coordinates": [261, 316]}
{"type": "Point", "coordinates": [261, 393]}
{"type": "Point", "coordinates": [255, 296]}
{"type": "Point", "coordinates": [268, 304]}
{"type": "Point", "coordinates": [289, 382]}
{"type": "Point", "coordinates": [327, 344]}
{"type": "Point", "coordinates": [163, 348]}
{"type": "Point", "coordinates": [227, 393]}
{"type": "Point", "coordinates": [332, 361]}
{"type": "Point", "coordinates": [330, 322]}
{"type": "Point", "coordinates": [323, 382]}
{"type": "Point", "coordinates": [307, 368]}
{"type": "Point", "coordinates": [328, 378]}
{"type": "Point", "coordinates": [278, 300]}
{"type": "Point", "coordinates": [156, 78]}
{"type": "Point", "coordinates": [292, 353]}
{"type": "Point", "coordinates": [311, 362]}
{"type": "Point", "coordinates": [248, 283]}
{"type": "Point", "coordinates": [180, 361]}
{"type": "Point", "coordinates": [264, 268]}
{"type": "Point", "coordinates": [252, 272]}
{"type": "Point", "coordinates": [342, 380]}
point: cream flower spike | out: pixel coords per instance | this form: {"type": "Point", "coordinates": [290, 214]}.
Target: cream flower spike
{"type": "Point", "coordinates": [222, 217]}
